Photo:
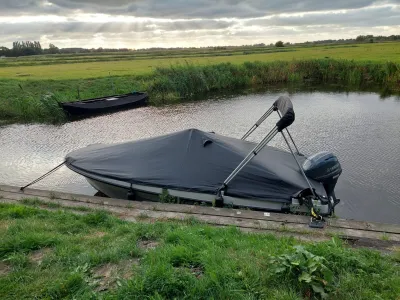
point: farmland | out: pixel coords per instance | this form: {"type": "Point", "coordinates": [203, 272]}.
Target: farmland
{"type": "Point", "coordinates": [32, 86]}
{"type": "Point", "coordinates": [83, 66]}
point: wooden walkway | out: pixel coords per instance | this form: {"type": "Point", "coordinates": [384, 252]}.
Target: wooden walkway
{"type": "Point", "coordinates": [376, 235]}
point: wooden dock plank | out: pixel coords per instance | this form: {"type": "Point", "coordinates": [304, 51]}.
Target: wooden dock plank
{"type": "Point", "coordinates": [214, 216]}
{"type": "Point", "coordinates": [193, 209]}
{"type": "Point", "coordinates": [243, 213]}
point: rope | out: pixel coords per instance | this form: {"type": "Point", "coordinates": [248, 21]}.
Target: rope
{"type": "Point", "coordinates": [315, 215]}
{"type": "Point", "coordinates": [43, 176]}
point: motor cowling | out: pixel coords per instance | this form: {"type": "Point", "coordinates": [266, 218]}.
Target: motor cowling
{"type": "Point", "coordinates": [324, 167]}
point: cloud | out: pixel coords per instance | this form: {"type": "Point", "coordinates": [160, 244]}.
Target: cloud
{"type": "Point", "coordinates": [368, 17]}
{"type": "Point", "coordinates": [197, 38]}
{"type": "Point", "coordinates": [181, 8]}
{"type": "Point", "coordinates": [28, 7]}
{"type": "Point", "coordinates": [130, 23]}
{"type": "Point", "coordinates": [41, 28]}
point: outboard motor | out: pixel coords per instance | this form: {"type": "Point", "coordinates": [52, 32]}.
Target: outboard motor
{"type": "Point", "coordinates": [324, 167]}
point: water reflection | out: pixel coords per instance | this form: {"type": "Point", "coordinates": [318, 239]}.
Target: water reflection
{"type": "Point", "coordinates": [359, 127]}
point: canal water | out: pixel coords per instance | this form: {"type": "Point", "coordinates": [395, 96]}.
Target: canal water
{"type": "Point", "coordinates": [362, 129]}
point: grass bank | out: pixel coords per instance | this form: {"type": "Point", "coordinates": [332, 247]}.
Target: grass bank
{"type": "Point", "coordinates": [186, 81]}
{"type": "Point", "coordinates": [58, 254]}
{"type": "Point", "coordinates": [36, 101]}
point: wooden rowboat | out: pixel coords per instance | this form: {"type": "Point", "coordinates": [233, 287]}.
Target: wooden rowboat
{"type": "Point", "coordinates": [104, 104]}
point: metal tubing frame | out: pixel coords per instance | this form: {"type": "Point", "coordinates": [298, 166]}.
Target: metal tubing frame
{"type": "Point", "coordinates": [291, 151]}
{"type": "Point", "coordinates": [259, 122]}
{"type": "Point", "coordinates": [287, 130]}
{"type": "Point", "coordinates": [299, 165]}
{"type": "Point", "coordinates": [294, 144]}
{"type": "Point", "coordinates": [262, 144]}
{"type": "Point", "coordinates": [251, 155]}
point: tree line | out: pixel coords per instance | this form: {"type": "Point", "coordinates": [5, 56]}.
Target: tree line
{"type": "Point", "coordinates": [26, 48]}
{"type": "Point", "coordinates": [358, 39]}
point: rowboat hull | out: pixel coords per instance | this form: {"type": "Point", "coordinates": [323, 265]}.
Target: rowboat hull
{"type": "Point", "coordinates": [104, 105]}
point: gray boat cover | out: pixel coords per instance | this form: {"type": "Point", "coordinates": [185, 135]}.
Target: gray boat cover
{"type": "Point", "coordinates": [195, 161]}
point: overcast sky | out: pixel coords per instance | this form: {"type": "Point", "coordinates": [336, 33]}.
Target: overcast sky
{"type": "Point", "coordinates": [185, 23]}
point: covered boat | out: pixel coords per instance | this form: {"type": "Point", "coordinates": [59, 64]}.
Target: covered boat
{"type": "Point", "coordinates": [104, 104]}
{"type": "Point", "coordinates": [203, 166]}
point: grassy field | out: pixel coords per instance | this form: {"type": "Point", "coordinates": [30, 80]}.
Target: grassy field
{"type": "Point", "coordinates": [37, 100]}
{"type": "Point", "coordinates": [93, 255]}
{"type": "Point", "coordinates": [134, 55]}
{"type": "Point", "coordinates": [68, 67]}
{"type": "Point", "coordinates": [31, 93]}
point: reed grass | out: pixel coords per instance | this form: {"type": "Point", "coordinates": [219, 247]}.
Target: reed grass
{"type": "Point", "coordinates": [186, 81]}
{"type": "Point", "coordinates": [28, 109]}
{"type": "Point", "coordinates": [37, 101]}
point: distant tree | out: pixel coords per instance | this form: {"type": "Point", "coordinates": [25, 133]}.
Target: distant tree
{"type": "Point", "coordinates": [53, 49]}
{"type": "Point", "coordinates": [26, 48]}
{"type": "Point", "coordinates": [279, 44]}
{"type": "Point", "coordinates": [371, 40]}
{"type": "Point", "coordinates": [4, 51]}
{"type": "Point", "coordinates": [360, 38]}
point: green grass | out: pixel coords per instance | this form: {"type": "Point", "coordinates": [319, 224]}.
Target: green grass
{"type": "Point", "coordinates": [59, 67]}
{"type": "Point", "coordinates": [385, 237]}
{"type": "Point", "coordinates": [35, 202]}
{"type": "Point", "coordinates": [37, 101]}
{"type": "Point", "coordinates": [32, 93]}
{"type": "Point", "coordinates": [187, 81]}
{"type": "Point", "coordinates": [60, 255]}
{"type": "Point", "coordinates": [139, 55]}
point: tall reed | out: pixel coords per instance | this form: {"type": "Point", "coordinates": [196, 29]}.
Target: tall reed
{"type": "Point", "coordinates": [187, 81]}
{"type": "Point", "coordinates": [28, 108]}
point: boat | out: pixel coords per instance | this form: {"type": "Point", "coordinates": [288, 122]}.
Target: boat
{"type": "Point", "coordinates": [104, 104]}
{"type": "Point", "coordinates": [201, 166]}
